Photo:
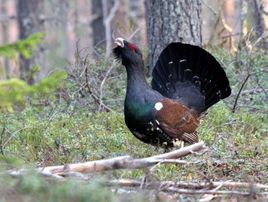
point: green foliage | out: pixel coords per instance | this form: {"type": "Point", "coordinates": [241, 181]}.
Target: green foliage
{"type": "Point", "coordinates": [11, 91]}
{"type": "Point", "coordinates": [244, 131]}
{"type": "Point", "coordinates": [238, 66]}
{"type": "Point", "coordinates": [50, 83]}
{"type": "Point", "coordinates": [111, 86]}
{"type": "Point", "coordinates": [73, 134]}
{"type": "Point", "coordinates": [33, 187]}
{"type": "Point", "coordinates": [25, 47]}
{"type": "Point", "coordinates": [65, 134]}
{"type": "Point", "coordinates": [69, 127]}
{"type": "Point", "coordinates": [14, 91]}
{"type": "Point", "coordinates": [64, 137]}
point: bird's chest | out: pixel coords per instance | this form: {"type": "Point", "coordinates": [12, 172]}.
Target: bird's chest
{"type": "Point", "coordinates": [137, 112]}
{"type": "Point", "coordinates": [139, 116]}
{"type": "Point", "coordinates": [140, 120]}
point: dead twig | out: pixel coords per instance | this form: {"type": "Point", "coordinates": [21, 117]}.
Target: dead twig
{"type": "Point", "coordinates": [239, 92]}
{"type": "Point", "coordinates": [191, 192]}
{"type": "Point", "coordinates": [2, 140]}
{"type": "Point", "coordinates": [207, 190]}
{"type": "Point", "coordinates": [124, 162]}
{"type": "Point", "coordinates": [102, 84]}
{"type": "Point", "coordinates": [210, 8]}
{"type": "Point", "coordinates": [256, 90]}
{"type": "Point", "coordinates": [209, 197]}
{"type": "Point", "coordinates": [187, 185]}
{"type": "Point", "coordinates": [96, 99]}
{"type": "Point", "coordinates": [200, 146]}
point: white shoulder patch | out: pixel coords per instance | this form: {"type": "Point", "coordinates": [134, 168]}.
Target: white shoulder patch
{"type": "Point", "coordinates": [158, 106]}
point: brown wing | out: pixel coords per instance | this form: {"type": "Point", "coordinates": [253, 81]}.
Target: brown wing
{"type": "Point", "coordinates": [177, 120]}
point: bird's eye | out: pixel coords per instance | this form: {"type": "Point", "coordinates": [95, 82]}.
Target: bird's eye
{"type": "Point", "coordinates": [132, 47]}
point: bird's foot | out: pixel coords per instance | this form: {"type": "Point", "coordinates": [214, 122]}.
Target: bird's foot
{"type": "Point", "coordinates": [178, 143]}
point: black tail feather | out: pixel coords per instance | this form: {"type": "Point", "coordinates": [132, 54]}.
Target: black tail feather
{"type": "Point", "coordinates": [190, 74]}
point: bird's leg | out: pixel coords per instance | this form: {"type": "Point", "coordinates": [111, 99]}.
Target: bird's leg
{"type": "Point", "coordinates": [144, 179]}
{"type": "Point", "coordinates": [178, 143]}
{"type": "Point", "coordinates": [182, 144]}
{"type": "Point", "coordinates": [166, 147]}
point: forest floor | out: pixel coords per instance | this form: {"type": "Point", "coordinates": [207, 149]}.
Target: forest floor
{"type": "Point", "coordinates": [67, 127]}
{"type": "Point", "coordinates": [238, 151]}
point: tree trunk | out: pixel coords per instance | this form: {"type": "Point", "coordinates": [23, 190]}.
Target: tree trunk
{"type": "Point", "coordinates": [232, 15]}
{"type": "Point", "coordinates": [137, 17]}
{"type": "Point", "coordinates": [5, 24]}
{"type": "Point", "coordinates": [211, 12]}
{"type": "Point", "coordinates": [98, 29]}
{"type": "Point", "coordinates": [103, 14]}
{"type": "Point", "coordinates": [63, 16]}
{"type": "Point", "coordinates": [256, 21]}
{"type": "Point", "coordinates": [169, 21]}
{"type": "Point", "coordinates": [30, 21]}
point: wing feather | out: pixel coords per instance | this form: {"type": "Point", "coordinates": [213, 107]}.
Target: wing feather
{"type": "Point", "coordinates": [177, 121]}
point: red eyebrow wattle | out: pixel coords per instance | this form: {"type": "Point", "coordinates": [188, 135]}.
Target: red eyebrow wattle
{"type": "Point", "coordinates": [132, 47]}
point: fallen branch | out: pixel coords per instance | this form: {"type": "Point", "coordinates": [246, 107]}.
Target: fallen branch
{"type": "Point", "coordinates": [124, 162]}
{"type": "Point", "coordinates": [187, 185]}
{"type": "Point", "coordinates": [187, 191]}
{"type": "Point", "coordinates": [208, 190]}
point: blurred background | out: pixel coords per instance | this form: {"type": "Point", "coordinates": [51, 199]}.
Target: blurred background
{"type": "Point", "coordinates": [91, 25]}
{"type": "Point", "coordinates": [62, 92]}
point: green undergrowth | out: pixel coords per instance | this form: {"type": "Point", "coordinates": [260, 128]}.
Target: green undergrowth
{"type": "Point", "coordinates": [59, 135]}
{"type": "Point", "coordinates": [66, 127]}
{"type": "Point", "coordinates": [33, 187]}
{"type": "Point", "coordinates": [66, 137]}
{"type": "Point", "coordinates": [238, 145]}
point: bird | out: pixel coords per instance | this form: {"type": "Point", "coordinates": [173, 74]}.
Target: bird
{"type": "Point", "coordinates": [186, 81]}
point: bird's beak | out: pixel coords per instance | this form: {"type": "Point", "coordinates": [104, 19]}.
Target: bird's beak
{"type": "Point", "coordinates": [119, 41]}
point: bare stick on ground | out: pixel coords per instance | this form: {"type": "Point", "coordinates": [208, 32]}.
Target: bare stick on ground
{"type": "Point", "coordinates": [208, 190]}
{"type": "Point", "coordinates": [125, 162]}
{"type": "Point", "coordinates": [187, 185]}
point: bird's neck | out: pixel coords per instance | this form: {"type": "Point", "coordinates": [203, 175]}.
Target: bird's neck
{"type": "Point", "coordinates": [137, 106]}
{"type": "Point", "coordinates": [136, 78]}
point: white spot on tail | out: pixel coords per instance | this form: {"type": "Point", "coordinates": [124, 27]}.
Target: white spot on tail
{"type": "Point", "coordinates": [183, 60]}
{"type": "Point", "coordinates": [171, 62]}
{"type": "Point", "coordinates": [158, 106]}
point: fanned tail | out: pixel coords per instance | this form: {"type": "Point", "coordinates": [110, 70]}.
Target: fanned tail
{"type": "Point", "coordinates": [190, 74]}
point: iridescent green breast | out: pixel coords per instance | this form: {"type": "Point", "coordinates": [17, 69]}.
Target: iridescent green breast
{"type": "Point", "coordinates": [138, 111]}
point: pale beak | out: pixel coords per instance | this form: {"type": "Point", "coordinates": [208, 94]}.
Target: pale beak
{"type": "Point", "coordinates": [119, 41]}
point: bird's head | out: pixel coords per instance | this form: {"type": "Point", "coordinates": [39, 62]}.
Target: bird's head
{"type": "Point", "coordinates": [127, 52]}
